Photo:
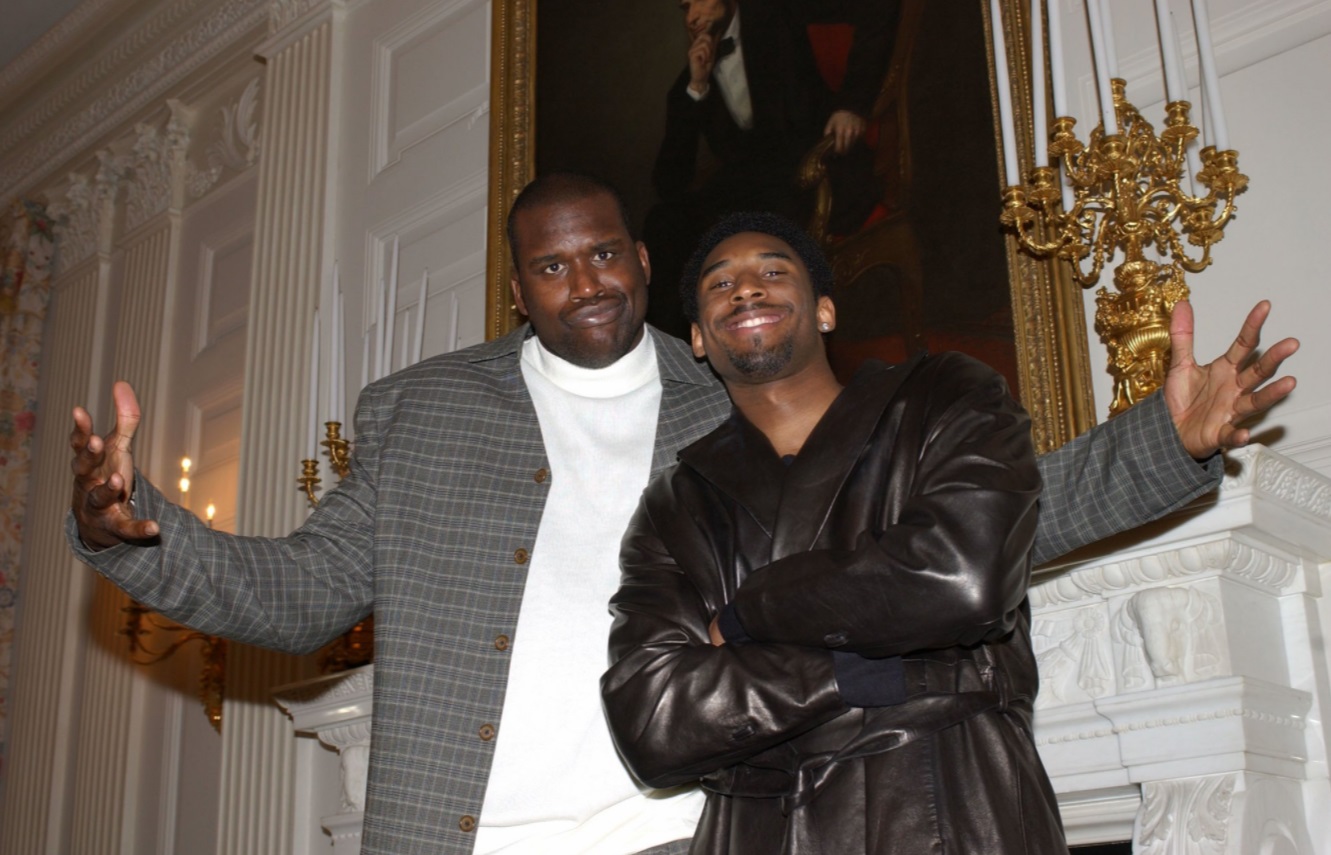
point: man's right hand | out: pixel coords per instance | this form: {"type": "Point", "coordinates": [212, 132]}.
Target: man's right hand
{"type": "Point", "coordinates": [104, 476]}
{"type": "Point", "coordinates": [702, 57]}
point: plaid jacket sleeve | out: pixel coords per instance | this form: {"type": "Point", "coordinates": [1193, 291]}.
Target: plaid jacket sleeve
{"type": "Point", "coordinates": [1118, 475]}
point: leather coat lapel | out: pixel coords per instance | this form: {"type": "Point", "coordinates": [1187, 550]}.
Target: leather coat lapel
{"type": "Point", "coordinates": [830, 453]}
{"type": "Point", "coordinates": [791, 503]}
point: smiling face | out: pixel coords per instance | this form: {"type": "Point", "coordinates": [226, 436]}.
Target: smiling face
{"type": "Point", "coordinates": [581, 279]}
{"type": "Point", "coordinates": [758, 318]}
{"type": "Point", "coordinates": [706, 16]}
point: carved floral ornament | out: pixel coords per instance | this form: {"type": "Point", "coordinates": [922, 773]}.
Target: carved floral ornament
{"type": "Point", "coordinates": [155, 159]}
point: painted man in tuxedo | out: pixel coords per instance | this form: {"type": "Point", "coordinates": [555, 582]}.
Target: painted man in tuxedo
{"type": "Point", "coordinates": [751, 90]}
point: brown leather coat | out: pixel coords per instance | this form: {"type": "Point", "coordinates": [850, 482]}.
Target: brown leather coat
{"type": "Point", "coordinates": [902, 529]}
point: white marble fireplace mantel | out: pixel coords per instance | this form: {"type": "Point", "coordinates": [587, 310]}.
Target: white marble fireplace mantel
{"type": "Point", "coordinates": [1184, 675]}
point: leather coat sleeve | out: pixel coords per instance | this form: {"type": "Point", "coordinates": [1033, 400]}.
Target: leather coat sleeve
{"type": "Point", "coordinates": [678, 707]}
{"type": "Point", "coordinates": [293, 593]}
{"type": "Point", "coordinates": [951, 569]}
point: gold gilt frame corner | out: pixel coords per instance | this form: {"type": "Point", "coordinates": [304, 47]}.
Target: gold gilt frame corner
{"type": "Point", "coordinates": [1047, 307]}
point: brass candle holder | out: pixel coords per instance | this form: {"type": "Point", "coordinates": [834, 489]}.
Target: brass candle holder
{"type": "Point", "coordinates": [141, 622]}
{"type": "Point", "coordinates": [356, 646]}
{"type": "Point", "coordinates": [338, 452]}
{"type": "Point", "coordinates": [1129, 194]}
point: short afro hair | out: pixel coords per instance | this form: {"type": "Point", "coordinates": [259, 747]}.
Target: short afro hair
{"type": "Point", "coordinates": [558, 188]}
{"type": "Point", "coordinates": [820, 272]}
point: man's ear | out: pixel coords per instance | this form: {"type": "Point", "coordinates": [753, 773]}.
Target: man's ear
{"type": "Point", "coordinates": [699, 349]}
{"type": "Point", "coordinates": [517, 291]}
{"type": "Point", "coordinates": [644, 260]}
{"type": "Point", "coordinates": [826, 313]}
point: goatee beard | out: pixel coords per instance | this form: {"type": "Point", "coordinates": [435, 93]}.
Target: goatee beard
{"type": "Point", "coordinates": [762, 363]}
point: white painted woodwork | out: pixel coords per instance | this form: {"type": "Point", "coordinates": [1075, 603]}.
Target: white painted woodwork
{"type": "Point", "coordinates": [368, 122]}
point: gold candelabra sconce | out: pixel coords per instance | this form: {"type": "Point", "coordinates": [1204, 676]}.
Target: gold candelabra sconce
{"type": "Point", "coordinates": [1130, 192]}
{"type": "Point", "coordinates": [355, 647]}
{"type": "Point", "coordinates": [338, 452]}
{"type": "Point", "coordinates": [142, 622]}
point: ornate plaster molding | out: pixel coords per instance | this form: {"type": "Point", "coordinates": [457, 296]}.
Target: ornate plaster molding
{"type": "Point", "coordinates": [1172, 635]}
{"type": "Point", "coordinates": [1189, 816]}
{"type": "Point", "coordinates": [1233, 557]}
{"type": "Point", "coordinates": [1267, 473]}
{"type": "Point", "coordinates": [85, 210]}
{"type": "Point", "coordinates": [235, 148]}
{"type": "Point", "coordinates": [157, 157]}
{"type": "Point", "coordinates": [284, 13]}
{"type": "Point", "coordinates": [29, 151]}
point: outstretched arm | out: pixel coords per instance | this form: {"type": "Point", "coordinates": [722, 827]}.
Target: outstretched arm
{"type": "Point", "coordinates": [1209, 402]}
{"type": "Point", "coordinates": [1142, 464]}
{"type": "Point", "coordinates": [104, 476]}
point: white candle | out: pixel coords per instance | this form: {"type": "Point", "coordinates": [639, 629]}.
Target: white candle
{"type": "Point", "coordinates": [1190, 151]}
{"type": "Point", "coordinates": [339, 356]}
{"type": "Point", "coordinates": [1037, 85]}
{"type": "Point", "coordinates": [365, 359]}
{"type": "Point", "coordinates": [1208, 129]}
{"type": "Point", "coordinates": [1215, 112]}
{"type": "Point", "coordinates": [1056, 69]}
{"type": "Point", "coordinates": [379, 299]}
{"type": "Point", "coordinates": [1011, 173]}
{"type": "Point", "coordinates": [1164, 24]}
{"type": "Point", "coordinates": [1096, 20]}
{"type": "Point", "coordinates": [390, 313]}
{"type": "Point", "coordinates": [420, 316]}
{"type": "Point", "coordinates": [314, 386]}
{"type": "Point", "coordinates": [1107, 21]}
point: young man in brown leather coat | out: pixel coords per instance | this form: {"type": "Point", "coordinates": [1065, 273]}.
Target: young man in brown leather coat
{"type": "Point", "coordinates": [823, 608]}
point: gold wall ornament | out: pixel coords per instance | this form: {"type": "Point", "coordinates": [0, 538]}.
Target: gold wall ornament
{"type": "Point", "coordinates": [142, 622]}
{"type": "Point", "coordinates": [1130, 192]}
{"type": "Point", "coordinates": [355, 647]}
{"type": "Point", "coordinates": [338, 452]}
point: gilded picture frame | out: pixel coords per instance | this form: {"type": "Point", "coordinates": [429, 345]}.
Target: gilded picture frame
{"type": "Point", "coordinates": [1049, 331]}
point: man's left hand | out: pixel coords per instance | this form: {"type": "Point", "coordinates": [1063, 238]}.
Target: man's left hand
{"type": "Point", "coordinates": [846, 127]}
{"type": "Point", "coordinates": [1207, 402]}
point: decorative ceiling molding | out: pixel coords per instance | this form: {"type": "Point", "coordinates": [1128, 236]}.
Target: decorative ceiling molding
{"type": "Point", "coordinates": [105, 64]}
{"type": "Point", "coordinates": [156, 158]}
{"type": "Point", "coordinates": [83, 18]}
{"type": "Point", "coordinates": [283, 13]}
{"type": "Point", "coordinates": [27, 161]}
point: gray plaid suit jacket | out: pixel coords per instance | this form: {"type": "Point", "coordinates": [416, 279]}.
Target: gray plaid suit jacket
{"type": "Point", "coordinates": [432, 531]}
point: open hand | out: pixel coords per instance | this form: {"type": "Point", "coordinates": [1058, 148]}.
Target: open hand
{"type": "Point", "coordinates": [104, 476]}
{"type": "Point", "coordinates": [1208, 402]}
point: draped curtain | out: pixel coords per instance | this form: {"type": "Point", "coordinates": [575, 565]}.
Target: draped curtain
{"type": "Point", "coordinates": [25, 286]}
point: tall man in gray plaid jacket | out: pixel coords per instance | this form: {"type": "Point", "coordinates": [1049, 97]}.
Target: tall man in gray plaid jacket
{"type": "Point", "coordinates": [481, 525]}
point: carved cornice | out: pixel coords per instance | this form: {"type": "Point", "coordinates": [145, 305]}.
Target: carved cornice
{"type": "Point", "coordinates": [1235, 558]}
{"type": "Point", "coordinates": [1278, 477]}
{"type": "Point", "coordinates": [140, 67]}
{"type": "Point", "coordinates": [283, 13]}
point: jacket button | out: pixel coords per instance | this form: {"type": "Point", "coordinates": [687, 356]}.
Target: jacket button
{"type": "Point", "coordinates": [467, 824]}
{"type": "Point", "coordinates": [521, 556]}
{"type": "Point", "coordinates": [836, 639]}
{"type": "Point", "coordinates": [541, 475]}
{"type": "Point", "coordinates": [501, 642]}
{"type": "Point", "coordinates": [487, 732]}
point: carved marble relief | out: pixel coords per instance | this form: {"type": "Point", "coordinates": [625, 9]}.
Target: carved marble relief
{"type": "Point", "coordinates": [1074, 655]}
{"type": "Point", "coordinates": [1186, 817]}
{"type": "Point", "coordinates": [1169, 636]}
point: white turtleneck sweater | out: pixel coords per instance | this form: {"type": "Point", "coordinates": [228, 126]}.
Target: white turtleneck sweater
{"type": "Point", "coordinates": [557, 786]}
